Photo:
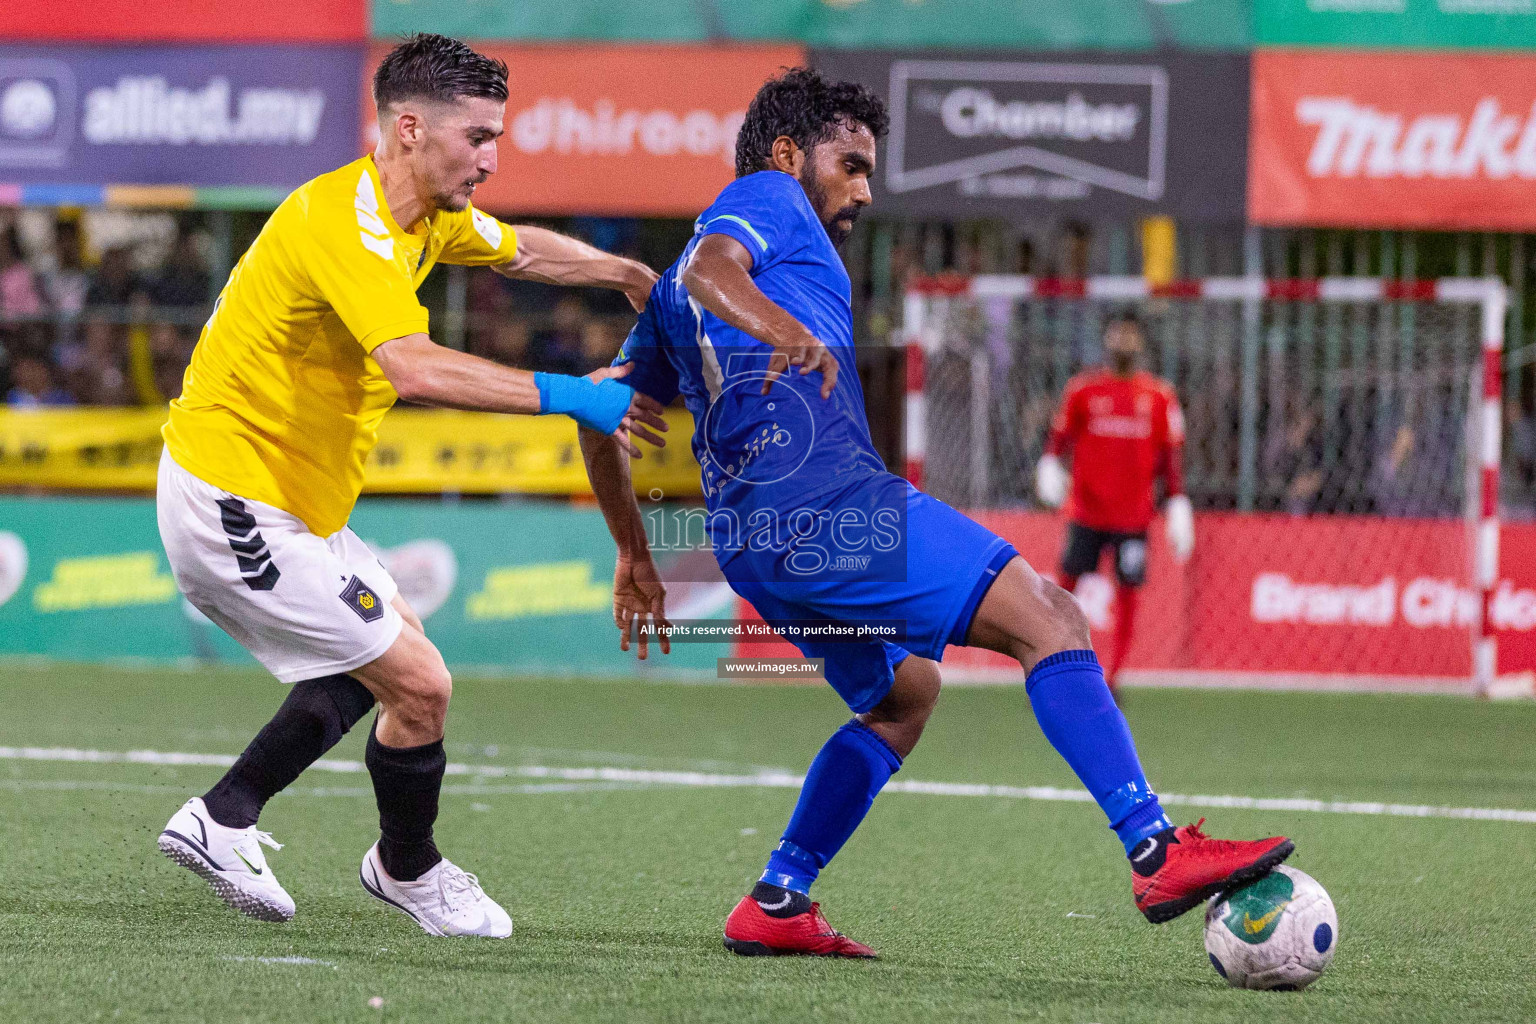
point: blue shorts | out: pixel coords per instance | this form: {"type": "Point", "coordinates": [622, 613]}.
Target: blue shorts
{"type": "Point", "coordinates": [949, 561]}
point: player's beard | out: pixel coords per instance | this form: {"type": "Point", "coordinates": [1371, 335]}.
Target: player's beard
{"type": "Point", "coordinates": [834, 224]}
{"type": "Point", "coordinates": [1123, 363]}
{"type": "Point", "coordinates": [841, 225]}
{"type": "Point", "coordinates": [455, 200]}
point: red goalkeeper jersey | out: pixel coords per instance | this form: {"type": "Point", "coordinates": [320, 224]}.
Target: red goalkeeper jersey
{"type": "Point", "coordinates": [1122, 433]}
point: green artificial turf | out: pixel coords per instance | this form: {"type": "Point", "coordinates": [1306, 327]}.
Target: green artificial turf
{"type": "Point", "coordinates": [619, 892]}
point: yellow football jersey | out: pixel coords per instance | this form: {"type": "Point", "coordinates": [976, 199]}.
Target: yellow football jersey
{"type": "Point", "coordinates": [282, 400]}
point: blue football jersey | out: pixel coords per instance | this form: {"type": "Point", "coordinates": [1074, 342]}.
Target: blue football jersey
{"type": "Point", "coordinates": [776, 451]}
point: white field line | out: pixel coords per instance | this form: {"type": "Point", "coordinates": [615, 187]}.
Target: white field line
{"type": "Point", "coordinates": [473, 789]}
{"type": "Point", "coordinates": [296, 960]}
{"type": "Point", "coordinates": [774, 779]}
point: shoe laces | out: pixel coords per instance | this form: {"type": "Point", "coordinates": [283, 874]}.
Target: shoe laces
{"type": "Point", "coordinates": [251, 844]}
{"type": "Point", "coordinates": [458, 888]}
{"type": "Point", "coordinates": [1214, 847]}
{"type": "Point", "coordinates": [827, 932]}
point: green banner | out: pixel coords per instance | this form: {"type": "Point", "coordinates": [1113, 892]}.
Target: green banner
{"type": "Point", "coordinates": [518, 587]}
{"type": "Point", "coordinates": [991, 24]}
{"type": "Point", "coordinates": [1397, 24]}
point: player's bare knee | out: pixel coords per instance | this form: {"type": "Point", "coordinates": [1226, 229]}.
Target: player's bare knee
{"type": "Point", "coordinates": [1068, 619]}
{"type": "Point", "coordinates": [899, 719]}
{"type": "Point", "coordinates": [422, 702]}
{"type": "Point", "coordinates": [921, 685]}
{"type": "Point", "coordinates": [1054, 623]}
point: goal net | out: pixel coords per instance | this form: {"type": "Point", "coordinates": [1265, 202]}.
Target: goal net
{"type": "Point", "coordinates": [1341, 454]}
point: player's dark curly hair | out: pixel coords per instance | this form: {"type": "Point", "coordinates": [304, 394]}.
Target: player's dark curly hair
{"type": "Point", "coordinates": [807, 108]}
{"type": "Point", "coordinates": [434, 67]}
{"type": "Point", "coordinates": [1129, 317]}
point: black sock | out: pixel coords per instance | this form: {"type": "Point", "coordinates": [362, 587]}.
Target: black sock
{"type": "Point", "coordinates": [314, 717]}
{"type": "Point", "coordinates": [406, 784]}
{"type": "Point", "coordinates": [777, 901]}
{"type": "Point", "coordinates": [1147, 856]}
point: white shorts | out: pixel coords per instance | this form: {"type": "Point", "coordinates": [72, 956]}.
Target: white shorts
{"type": "Point", "coordinates": [305, 606]}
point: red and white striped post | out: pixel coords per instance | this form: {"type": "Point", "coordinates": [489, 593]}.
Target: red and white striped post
{"type": "Point", "coordinates": [915, 409]}
{"type": "Point", "coordinates": [1488, 294]}
{"type": "Point", "coordinates": [1486, 654]}
{"type": "Point", "coordinates": [919, 337]}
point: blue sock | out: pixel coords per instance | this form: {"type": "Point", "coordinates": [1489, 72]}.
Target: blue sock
{"type": "Point", "coordinates": [1078, 715]}
{"type": "Point", "coordinates": [839, 787]}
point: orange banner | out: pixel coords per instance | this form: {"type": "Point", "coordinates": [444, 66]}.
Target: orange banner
{"type": "Point", "coordinates": [165, 21]}
{"type": "Point", "coordinates": [625, 130]}
{"type": "Point", "coordinates": [1393, 140]}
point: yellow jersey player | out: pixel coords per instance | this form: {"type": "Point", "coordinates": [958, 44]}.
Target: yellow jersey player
{"type": "Point", "coordinates": [315, 335]}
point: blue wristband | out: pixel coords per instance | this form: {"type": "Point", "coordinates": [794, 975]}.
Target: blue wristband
{"type": "Point", "coordinates": [601, 406]}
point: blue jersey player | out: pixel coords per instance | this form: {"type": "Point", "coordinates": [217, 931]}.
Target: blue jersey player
{"type": "Point", "coordinates": [753, 327]}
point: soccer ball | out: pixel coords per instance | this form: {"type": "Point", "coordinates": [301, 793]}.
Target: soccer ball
{"type": "Point", "coordinates": [1278, 933]}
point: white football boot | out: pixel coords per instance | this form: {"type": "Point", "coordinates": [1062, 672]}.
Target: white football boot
{"type": "Point", "coordinates": [445, 901]}
{"type": "Point", "coordinates": [229, 860]}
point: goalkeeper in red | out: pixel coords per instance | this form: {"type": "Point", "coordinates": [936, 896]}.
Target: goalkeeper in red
{"type": "Point", "coordinates": [1123, 429]}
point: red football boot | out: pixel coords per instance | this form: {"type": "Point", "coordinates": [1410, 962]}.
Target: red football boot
{"type": "Point", "coordinates": [751, 932]}
{"type": "Point", "coordinates": [1196, 867]}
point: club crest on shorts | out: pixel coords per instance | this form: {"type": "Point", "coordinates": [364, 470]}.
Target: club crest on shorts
{"type": "Point", "coordinates": [363, 601]}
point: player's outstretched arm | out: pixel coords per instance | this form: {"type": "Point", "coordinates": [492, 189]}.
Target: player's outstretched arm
{"type": "Point", "coordinates": [428, 374]}
{"type": "Point", "coordinates": [553, 258]}
{"type": "Point", "coordinates": [719, 276]}
{"type": "Point", "coordinates": [639, 598]}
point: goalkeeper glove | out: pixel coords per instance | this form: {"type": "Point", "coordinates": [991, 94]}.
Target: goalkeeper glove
{"type": "Point", "coordinates": [1051, 482]}
{"type": "Point", "coordinates": [1180, 527]}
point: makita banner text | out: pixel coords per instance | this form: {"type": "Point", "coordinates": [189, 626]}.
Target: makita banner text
{"type": "Point", "coordinates": [1394, 140]}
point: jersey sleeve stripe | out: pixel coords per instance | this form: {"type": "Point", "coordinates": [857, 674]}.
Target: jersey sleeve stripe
{"type": "Point", "coordinates": [743, 222]}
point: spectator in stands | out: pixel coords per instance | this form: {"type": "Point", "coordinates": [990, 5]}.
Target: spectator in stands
{"type": "Point", "coordinates": [98, 378]}
{"type": "Point", "coordinates": [114, 285]}
{"type": "Point", "coordinates": [1079, 325]}
{"type": "Point", "coordinates": [32, 385]}
{"type": "Point", "coordinates": [1293, 466]}
{"type": "Point", "coordinates": [558, 348]}
{"type": "Point", "coordinates": [19, 296]}
{"type": "Point", "coordinates": [1418, 471]}
{"type": "Point", "coordinates": [493, 331]}
{"type": "Point", "coordinates": [64, 286]}
{"type": "Point", "coordinates": [170, 350]}
{"type": "Point", "coordinates": [600, 340]}
{"type": "Point", "coordinates": [183, 280]}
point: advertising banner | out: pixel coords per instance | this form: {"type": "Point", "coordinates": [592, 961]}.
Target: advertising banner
{"type": "Point", "coordinates": [1397, 24]}
{"type": "Point", "coordinates": [419, 451]}
{"type": "Point", "coordinates": [272, 116]}
{"type": "Point", "coordinates": [1004, 24]}
{"type": "Point", "coordinates": [620, 130]}
{"type": "Point", "coordinates": [510, 587]}
{"type": "Point", "coordinates": [1083, 136]}
{"type": "Point", "coordinates": [163, 21]}
{"type": "Point", "coordinates": [1368, 600]}
{"type": "Point", "coordinates": [1393, 140]}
